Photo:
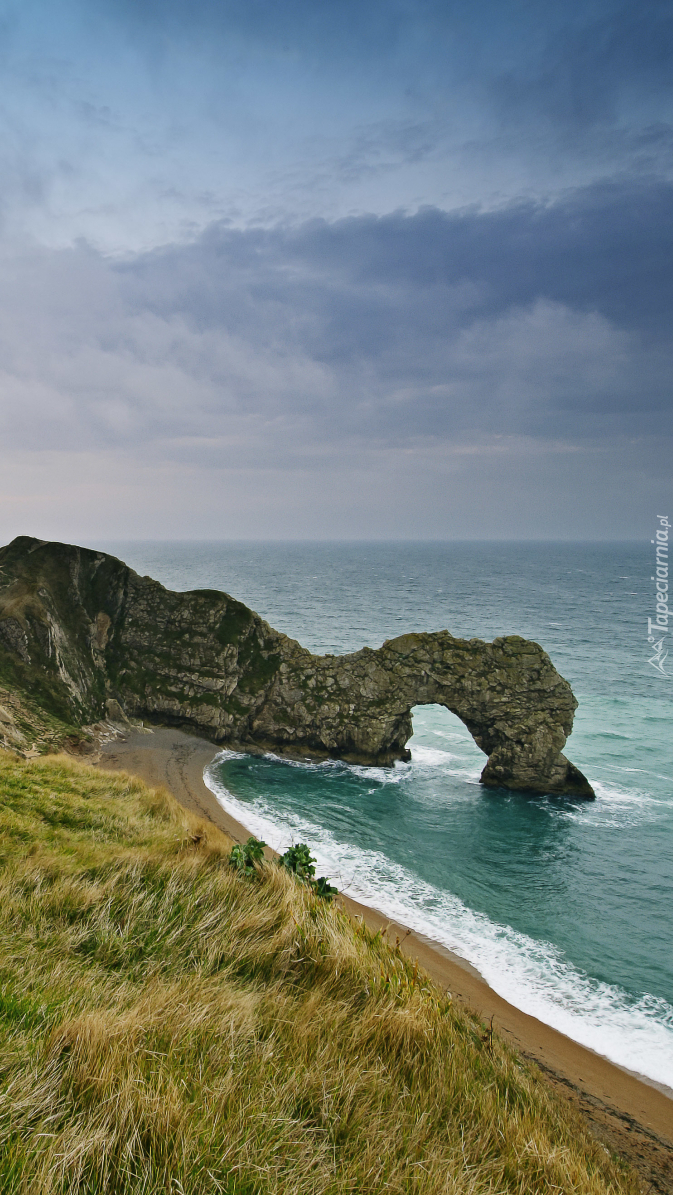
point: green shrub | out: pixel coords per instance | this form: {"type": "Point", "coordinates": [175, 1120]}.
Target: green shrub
{"type": "Point", "coordinates": [247, 857]}
{"type": "Point", "coordinates": [324, 888]}
{"type": "Point", "coordinates": [299, 860]}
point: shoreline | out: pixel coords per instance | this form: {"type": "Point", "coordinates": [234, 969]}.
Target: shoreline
{"type": "Point", "coordinates": [629, 1113]}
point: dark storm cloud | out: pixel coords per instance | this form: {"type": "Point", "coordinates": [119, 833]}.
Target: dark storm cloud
{"type": "Point", "coordinates": [607, 249]}
{"type": "Point", "coordinates": [547, 322]}
{"type": "Point", "coordinates": [496, 369]}
{"type": "Point", "coordinates": [429, 323]}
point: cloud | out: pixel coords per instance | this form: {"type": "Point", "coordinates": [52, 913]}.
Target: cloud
{"type": "Point", "coordinates": [372, 359]}
{"type": "Point", "coordinates": [267, 345]}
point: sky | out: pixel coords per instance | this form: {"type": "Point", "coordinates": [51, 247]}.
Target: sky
{"type": "Point", "coordinates": [335, 269]}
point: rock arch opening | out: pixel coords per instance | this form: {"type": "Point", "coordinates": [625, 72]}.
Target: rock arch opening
{"type": "Point", "coordinates": [439, 733]}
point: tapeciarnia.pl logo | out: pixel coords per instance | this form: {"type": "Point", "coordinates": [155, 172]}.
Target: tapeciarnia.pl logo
{"type": "Point", "coordinates": [657, 628]}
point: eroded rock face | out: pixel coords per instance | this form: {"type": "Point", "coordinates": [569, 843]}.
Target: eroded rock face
{"type": "Point", "coordinates": [81, 629]}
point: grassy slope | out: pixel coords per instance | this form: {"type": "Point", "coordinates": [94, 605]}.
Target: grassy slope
{"type": "Point", "coordinates": [169, 1026]}
{"type": "Point", "coordinates": [24, 726]}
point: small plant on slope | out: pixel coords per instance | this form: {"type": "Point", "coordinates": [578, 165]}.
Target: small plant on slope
{"type": "Point", "coordinates": [247, 857]}
{"type": "Point", "coordinates": [299, 860]}
{"type": "Point", "coordinates": [324, 888]}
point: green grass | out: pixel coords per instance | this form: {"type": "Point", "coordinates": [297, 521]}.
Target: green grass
{"type": "Point", "coordinates": [167, 1025]}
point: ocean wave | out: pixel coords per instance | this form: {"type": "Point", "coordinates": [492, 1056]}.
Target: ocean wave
{"type": "Point", "coordinates": [453, 735]}
{"type": "Point", "coordinates": [635, 1033]}
{"type": "Point", "coordinates": [619, 808]}
{"type": "Point", "coordinates": [422, 758]}
{"type": "Point", "coordinates": [436, 756]}
{"type": "Point", "coordinates": [626, 797]}
{"type": "Point", "coordinates": [614, 806]}
{"type": "Point", "coordinates": [388, 775]}
{"type": "Point", "coordinates": [614, 767]}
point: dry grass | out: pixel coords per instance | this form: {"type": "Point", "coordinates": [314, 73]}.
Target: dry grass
{"type": "Point", "coordinates": [168, 1026]}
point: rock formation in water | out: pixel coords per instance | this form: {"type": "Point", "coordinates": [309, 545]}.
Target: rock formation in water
{"type": "Point", "coordinates": [85, 635]}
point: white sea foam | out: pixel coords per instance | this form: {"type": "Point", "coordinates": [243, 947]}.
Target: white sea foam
{"type": "Point", "coordinates": [423, 757]}
{"type": "Point", "coordinates": [533, 976]}
{"type": "Point", "coordinates": [619, 807]}
{"type": "Point", "coordinates": [432, 757]}
{"type": "Point", "coordinates": [381, 775]}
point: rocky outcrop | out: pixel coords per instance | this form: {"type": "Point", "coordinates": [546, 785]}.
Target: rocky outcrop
{"type": "Point", "coordinates": [86, 634]}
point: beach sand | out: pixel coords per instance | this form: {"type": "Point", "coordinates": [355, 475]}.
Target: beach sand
{"type": "Point", "coordinates": [631, 1116]}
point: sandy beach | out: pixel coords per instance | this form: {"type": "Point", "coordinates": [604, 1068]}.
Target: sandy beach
{"type": "Point", "coordinates": [627, 1113]}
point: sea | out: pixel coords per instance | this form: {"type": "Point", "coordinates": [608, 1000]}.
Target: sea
{"type": "Point", "coordinates": [565, 907]}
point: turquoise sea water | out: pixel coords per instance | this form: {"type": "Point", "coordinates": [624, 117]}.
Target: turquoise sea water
{"type": "Point", "coordinates": [566, 908]}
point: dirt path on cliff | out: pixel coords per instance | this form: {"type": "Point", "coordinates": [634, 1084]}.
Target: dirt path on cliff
{"type": "Point", "coordinates": [630, 1116]}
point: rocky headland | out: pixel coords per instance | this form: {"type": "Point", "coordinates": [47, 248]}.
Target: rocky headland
{"type": "Point", "coordinates": [83, 637]}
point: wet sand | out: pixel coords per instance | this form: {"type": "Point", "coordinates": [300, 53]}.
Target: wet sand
{"type": "Point", "coordinates": [628, 1114]}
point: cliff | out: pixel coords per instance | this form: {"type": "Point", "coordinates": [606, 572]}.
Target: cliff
{"type": "Point", "coordinates": [84, 634]}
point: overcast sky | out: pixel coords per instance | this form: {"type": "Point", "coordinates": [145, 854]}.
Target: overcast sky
{"type": "Point", "coordinates": [335, 268]}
